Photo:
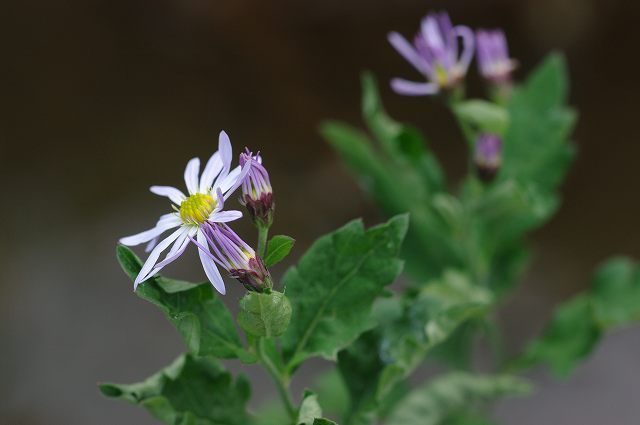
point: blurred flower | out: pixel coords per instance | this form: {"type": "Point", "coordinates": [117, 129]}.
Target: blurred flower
{"type": "Point", "coordinates": [238, 258]}
{"type": "Point", "coordinates": [488, 156]}
{"type": "Point", "coordinates": [202, 207]}
{"type": "Point", "coordinates": [257, 194]}
{"type": "Point", "coordinates": [493, 56]}
{"type": "Point", "coordinates": [434, 53]}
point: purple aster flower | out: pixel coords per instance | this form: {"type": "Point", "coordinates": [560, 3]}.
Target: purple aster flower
{"type": "Point", "coordinates": [235, 256]}
{"type": "Point", "coordinates": [203, 205]}
{"type": "Point", "coordinates": [493, 56]}
{"type": "Point", "coordinates": [488, 156]}
{"type": "Point", "coordinates": [434, 53]}
{"type": "Point", "coordinates": [257, 194]}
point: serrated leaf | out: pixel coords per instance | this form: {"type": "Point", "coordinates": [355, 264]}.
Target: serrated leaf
{"type": "Point", "coordinates": [277, 249]}
{"type": "Point", "coordinates": [536, 149]}
{"type": "Point", "coordinates": [334, 285]}
{"type": "Point", "coordinates": [202, 319]}
{"type": "Point", "coordinates": [376, 364]}
{"type": "Point", "coordinates": [189, 391]}
{"type": "Point", "coordinates": [453, 394]}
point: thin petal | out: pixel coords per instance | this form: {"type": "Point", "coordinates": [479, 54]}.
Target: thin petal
{"type": "Point", "coordinates": [468, 45]}
{"type": "Point", "coordinates": [210, 268]}
{"type": "Point", "coordinates": [191, 175]}
{"type": "Point", "coordinates": [164, 224]}
{"type": "Point", "coordinates": [175, 195]}
{"type": "Point", "coordinates": [179, 246]}
{"type": "Point", "coordinates": [211, 170]}
{"type": "Point", "coordinates": [225, 216]}
{"type": "Point", "coordinates": [226, 155]}
{"type": "Point", "coordinates": [410, 88]}
{"type": "Point", "coordinates": [238, 181]}
{"type": "Point", "coordinates": [152, 244]}
{"type": "Point", "coordinates": [407, 51]}
{"type": "Point", "coordinates": [153, 258]}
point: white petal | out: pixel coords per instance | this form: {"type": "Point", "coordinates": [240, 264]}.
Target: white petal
{"type": "Point", "coordinates": [211, 170]}
{"type": "Point", "coordinates": [210, 268]}
{"type": "Point", "coordinates": [225, 216]}
{"type": "Point", "coordinates": [165, 223]}
{"type": "Point", "coordinates": [153, 258]}
{"type": "Point", "coordinates": [225, 149]}
{"type": "Point", "coordinates": [238, 181]}
{"type": "Point", "coordinates": [176, 250]}
{"type": "Point", "coordinates": [229, 180]}
{"type": "Point", "coordinates": [175, 195]}
{"type": "Point", "coordinates": [191, 175]}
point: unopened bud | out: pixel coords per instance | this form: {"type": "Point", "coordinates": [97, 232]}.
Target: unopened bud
{"type": "Point", "coordinates": [488, 156]}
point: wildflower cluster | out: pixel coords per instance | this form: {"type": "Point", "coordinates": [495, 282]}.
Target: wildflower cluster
{"type": "Point", "coordinates": [435, 53]}
{"type": "Point", "coordinates": [200, 218]}
{"type": "Point", "coordinates": [444, 61]}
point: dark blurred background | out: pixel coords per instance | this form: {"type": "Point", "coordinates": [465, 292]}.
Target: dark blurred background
{"type": "Point", "coordinates": [101, 99]}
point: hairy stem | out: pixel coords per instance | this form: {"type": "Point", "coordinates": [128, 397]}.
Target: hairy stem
{"type": "Point", "coordinates": [263, 234]}
{"type": "Point", "coordinates": [279, 377]}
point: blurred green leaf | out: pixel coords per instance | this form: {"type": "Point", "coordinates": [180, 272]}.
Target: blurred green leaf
{"type": "Point", "coordinates": [442, 399]}
{"type": "Point", "coordinates": [189, 391]}
{"type": "Point", "coordinates": [334, 285]}
{"type": "Point", "coordinates": [577, 325]}
{"type": "Point", "coordinates": [484, 116]}
{"type": "Point", "coordinates": [277, 249]}
{"type": "Point", "coordinates": [536, 149]}
{"type": "Point", "coordinates": [205, 323]}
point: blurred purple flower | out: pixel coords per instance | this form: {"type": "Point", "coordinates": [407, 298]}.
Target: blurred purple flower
{"type": "Point", "coordinates": [488, 156]}
{"type": "Point", "coordinates": [434, 53]}
{"type": "Point", "coordinates": [257, 193]}
{"type": "Point", "coordinates": [202, 207]}
{"type": "Point", "coordinates": [235, 256]}
{"type": "Point", "coordinates": [493, 56]}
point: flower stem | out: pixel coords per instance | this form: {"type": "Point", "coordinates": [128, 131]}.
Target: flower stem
{"type": "Point", "coordinates": [263, 235]}
{"type": "Point", "coordinates": [279, 378]}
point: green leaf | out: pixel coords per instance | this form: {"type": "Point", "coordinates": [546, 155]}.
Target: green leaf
{"type": "Point", "coordinates": [375, 365]}
{"type": "Point", "coordinates": [616, 293]}
{"type": "Point", "coordinates": [277, 249]}
{"type": "Point", "coordinates": [569, 337]}
{"type": "Point", "coordinates": [323, 421]}
{"type": "Point", "coordinates": [334, 285]}
{"type": "Point", "coordinates": [189, 391]}
{"type": "Point", "coordinates": [309, 409]}
{"type": "Point", "coordinates": [264, 315]}
{"type": "Point", "coordinates": [202, 319]}
{"type": "Point", "coordinates": [484, 116]}
{"type": "Point", "coordinates": [453, 394]}
{"type": "Point", "coordinates": [536, 149]}
{"type": "Point", "coordinates": [400, 174]}
{"type": "Point", "coordinates": [577, 325]}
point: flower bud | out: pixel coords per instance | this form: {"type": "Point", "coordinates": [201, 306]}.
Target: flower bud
{"type": "Point", "coordinates": [264, 315]}
{"type": "Point", "coordinates": [238, 258]}
{"type": "Point", "coordinates": [493, 57]}
{"type": "Point", "coordinates": [257, 194]}
{"type": "Point", "coordinates": [488, 156]}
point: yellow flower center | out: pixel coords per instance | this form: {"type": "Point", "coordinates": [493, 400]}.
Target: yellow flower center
{"type": "Point", "coordinates": [441, 75]}
{"type": "Point", "coordinates": [197, 208]}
